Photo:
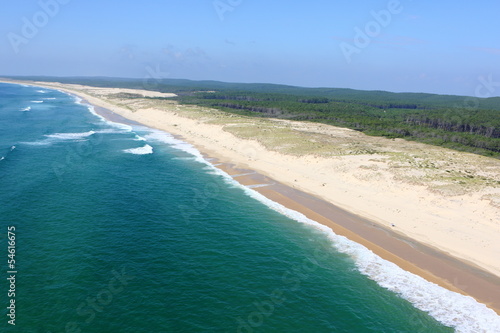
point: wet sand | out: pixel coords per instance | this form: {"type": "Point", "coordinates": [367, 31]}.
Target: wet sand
{"type": "Point", "coordinates": [427, 262]}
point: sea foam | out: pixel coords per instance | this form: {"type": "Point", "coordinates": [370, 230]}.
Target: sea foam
{"type": "Point", "coordinates": [145, 150]}
{"type": "Point", "coordinates": [123, 127]}
{"type": "Point", "coordinates": [111, 131]}
{"type": "Point", "coordinates": [70, 136]}
{"type": "Point", "coordinates": [56, 137]}
{"type": "Point", "coordinates": [164, 137]}
{"type": "Point", "coordinates": [12, 148]}
{"type": "Point", "coordinates": [139, 138]}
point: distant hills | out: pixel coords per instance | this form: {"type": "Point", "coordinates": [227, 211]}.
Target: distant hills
{"type": "Point", "coordinates": [184, 85]}
{"type": "Point", "coordinates": [457, 122]}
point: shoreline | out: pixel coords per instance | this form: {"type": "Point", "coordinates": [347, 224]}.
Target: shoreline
{"type": "Point", "coordinates": [419, 259]}
{"type": "Point", "coordinates": [423, 260]}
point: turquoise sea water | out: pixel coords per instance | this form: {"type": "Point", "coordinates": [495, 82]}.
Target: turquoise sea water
{"type": "Point", "coordinates": [121, 228]}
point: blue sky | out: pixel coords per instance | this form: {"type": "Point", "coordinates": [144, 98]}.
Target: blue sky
{"type": "Point", "coordinates": [416, 46]}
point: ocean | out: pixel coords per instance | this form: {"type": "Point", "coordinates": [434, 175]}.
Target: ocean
{"type": "Point", "coordinates": [116, 227]}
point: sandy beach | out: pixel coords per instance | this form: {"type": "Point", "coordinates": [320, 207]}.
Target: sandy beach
{"type": "Point", "coordinates": [433, 211]}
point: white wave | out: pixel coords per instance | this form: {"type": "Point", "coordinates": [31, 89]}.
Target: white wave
{"type": "Point", "coordinates": [2, 158]}
{"type": "Point", "coordinates": [111, 131]}
{"type": "Point", "coordinates": [91, 109]}
{"type": "Point", "coordinates": [463, 313]}
{"type": "Point", "coordinates": [70, 136]}
{"type": "Point", "coordinates": [164, 137]}
{"type": "Point", "coordinates": [45, 142]}
{"type": "Point", "coordinates": [49, 98]}
{"type": "Point", "coordinates": [42, 91]}
{"type": "Point", "coordinates": [145, 150]}
{"type": "Point", "coordinates": [51, 138]}
{"type": "Point", "coordinates": [12, 148]}
{"type": "Point", "coordinates": [123, 127]}
{"type": "Point", "coordinates": [26, 109]}
{"type": "Point", "coordinates": [139, 138]}
{"type": "Point", "coordinates": [36, 101]}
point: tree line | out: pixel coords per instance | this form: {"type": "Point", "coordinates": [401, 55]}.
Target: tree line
{"type": "Point", "coordinates": [473, 130]}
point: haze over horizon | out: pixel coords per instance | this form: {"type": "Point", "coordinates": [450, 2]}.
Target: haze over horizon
{"type": "Point", "coordinates": [396, 45]}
